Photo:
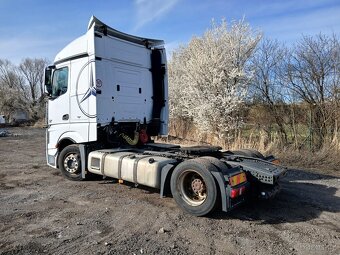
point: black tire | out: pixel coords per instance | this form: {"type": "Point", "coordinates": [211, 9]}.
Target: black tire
{"type": "Point", "coordinates": [70, 163]}
{"type": "Point", "coordinates": [249, 153]}
{"type": "Point", "coordinates": [217, 163]}
{"type": "Point", "coordinates": [193, 187]}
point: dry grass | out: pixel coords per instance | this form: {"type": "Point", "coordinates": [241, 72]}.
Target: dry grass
{"type": "Point", "coordinates": [327, 159]}
{"type": "Point", "coordinates": [40, 124]}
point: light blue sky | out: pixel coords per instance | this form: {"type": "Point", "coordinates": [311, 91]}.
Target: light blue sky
{"type": "Point", "coordinates": [40, 28]}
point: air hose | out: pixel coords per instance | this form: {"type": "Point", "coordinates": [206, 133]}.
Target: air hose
{"type": "Point", "coordinates": [129, 140]}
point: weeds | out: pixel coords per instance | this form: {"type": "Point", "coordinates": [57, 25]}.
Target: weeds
{"type": "Point", "coordinates": [294, 155]}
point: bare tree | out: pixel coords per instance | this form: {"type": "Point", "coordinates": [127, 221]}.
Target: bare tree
{"type": "Point", "coordinates": [33, 72]}
{"type": "Point", "coordinates": [209, 77]}
{"type": "Point", "coordinates": [21, 86]}
{"type": "Point", "coordinates": [9, 75]}
{"type": "Point", "coordinates": [267, 85]}
{"type": "Point", "coordinates": [313, 74]}
{"type": "Point", "coordinates": [13, 92]}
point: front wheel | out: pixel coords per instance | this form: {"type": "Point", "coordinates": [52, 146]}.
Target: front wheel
{"type": "Point", "coordinates": [70, 163]}
{"type": "Point", "coordinates": [193, 187]}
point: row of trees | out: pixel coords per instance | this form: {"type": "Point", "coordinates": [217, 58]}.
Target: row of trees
{"type": "Point", "coordinates": [300, 85]}
{"type": "Point", "coordinates": [232, 76]}
{"type": "Point", "coordinates": [228, 79]}
{"type": "Point", "coordinates": [22, 87]}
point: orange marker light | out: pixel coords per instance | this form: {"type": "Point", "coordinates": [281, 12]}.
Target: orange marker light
{"type": "Point", "coordinates": [237, 179]}
{"type": "Point", "coordinates": [276, 162]}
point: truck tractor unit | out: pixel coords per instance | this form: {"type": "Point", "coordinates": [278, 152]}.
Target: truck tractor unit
{"type": "Point", "coordinates": [108, 96]}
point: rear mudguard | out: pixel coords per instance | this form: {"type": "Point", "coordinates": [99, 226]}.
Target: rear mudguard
{"type": "Point", "coordinates": [262, 174]}
{"type": "Point", "coordinates": [261, 170]}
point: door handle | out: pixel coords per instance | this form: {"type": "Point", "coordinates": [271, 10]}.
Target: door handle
{"type": "Point", "coordinates": [65, 117]}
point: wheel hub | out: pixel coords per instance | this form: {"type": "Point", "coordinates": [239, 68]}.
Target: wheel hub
{"type": "Point", "coordinates": [197, 186]}
{"type": "Point", "coordinates": [71, 163]}
{"type": "Point", "coordinates": [193, 188]}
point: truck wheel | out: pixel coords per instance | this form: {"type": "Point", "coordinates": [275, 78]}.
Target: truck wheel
{"type": "Point", "coordinates": [70, 163]}
{"type": "Point", "coordinates": [193, 187]}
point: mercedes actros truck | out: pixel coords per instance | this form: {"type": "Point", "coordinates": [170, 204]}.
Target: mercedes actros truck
{"type": "Point", "coordinates": [108, 97]}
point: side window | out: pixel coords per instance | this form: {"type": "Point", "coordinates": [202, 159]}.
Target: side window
{"type": "Point", "coordinates": [60, 82]}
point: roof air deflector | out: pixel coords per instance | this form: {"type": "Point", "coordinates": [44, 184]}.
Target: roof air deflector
{"type": "Point", "coordinates": [100, 26]}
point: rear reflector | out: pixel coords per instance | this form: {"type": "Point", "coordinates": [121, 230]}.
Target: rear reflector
{"type": "Point", "coordinates": [237, 179]}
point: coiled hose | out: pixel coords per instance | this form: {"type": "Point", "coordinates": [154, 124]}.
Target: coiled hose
{"type": "Point", "coordinates": [129, 140]}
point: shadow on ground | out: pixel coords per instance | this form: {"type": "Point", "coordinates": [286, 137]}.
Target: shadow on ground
{"type": "Point", "coordinates": [301, 199]}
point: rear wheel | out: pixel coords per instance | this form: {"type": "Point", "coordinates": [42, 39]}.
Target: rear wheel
{"type": "Point", "coordinates": [70, 163]}
{"type": "Point", "coordinates": [193, 187]}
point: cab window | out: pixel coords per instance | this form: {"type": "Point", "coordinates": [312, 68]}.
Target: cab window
{"type": "Point", "coordinates": [59, 82]}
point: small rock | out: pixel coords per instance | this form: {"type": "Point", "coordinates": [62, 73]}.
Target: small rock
{"type": "Point", "coordinates": [107, 243]}
{"type": "Point", "coordinates": [59, 235]}
{"type": "Point", "coordinates": [4, 133]}
{"type": "Point", "coordinates": [141, 251]}
{"type": "Point", "coordinates": [173, 246]}
{"type": "Point", "coordinates": [161, 231]}
{"type": "Point", "coordinates": [79, 223]}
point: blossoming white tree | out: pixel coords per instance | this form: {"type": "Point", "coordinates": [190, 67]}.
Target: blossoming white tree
{"type": "Point", "coordinates": [208, 78]}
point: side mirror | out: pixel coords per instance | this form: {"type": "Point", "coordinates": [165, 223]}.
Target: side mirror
{"type": "Point", "coordinates": [48, 80]}
{"type": "Point", "coordinates": [47, 95]}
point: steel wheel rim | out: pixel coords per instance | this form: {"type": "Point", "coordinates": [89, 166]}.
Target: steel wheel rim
{"type": "Point", "coordinates": [71, 163]}
{"type": "Point", "coordinates": [192, 188]}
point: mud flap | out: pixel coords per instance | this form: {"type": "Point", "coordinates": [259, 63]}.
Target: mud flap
{"type": "Point", "coordinates": [221, 184]}
{"type": "Point", "coordinates": [165, 180]}
{"type": "Point", "coordinates": [83, 161]}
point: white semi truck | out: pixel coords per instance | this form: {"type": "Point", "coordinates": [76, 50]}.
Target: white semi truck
{"type": "Point", "coordinates": [108, 95]}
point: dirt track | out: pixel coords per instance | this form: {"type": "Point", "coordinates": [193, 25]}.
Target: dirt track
{"type": "Point", "coordinates": [40, 212]}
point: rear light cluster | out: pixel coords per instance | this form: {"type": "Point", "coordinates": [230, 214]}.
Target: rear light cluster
{"type": "Point", "coordinates": [235, 182]}
{"type": "Point", "coordinates": [237, 192]}
{"type": "Point", "coordinates": [237, 179]}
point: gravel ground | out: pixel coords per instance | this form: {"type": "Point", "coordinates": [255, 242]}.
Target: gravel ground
{"type": "Point", "coordinates": [42, 213]}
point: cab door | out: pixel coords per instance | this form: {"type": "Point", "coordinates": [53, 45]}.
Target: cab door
{"type": "Point", "coordinates": [58, 109]}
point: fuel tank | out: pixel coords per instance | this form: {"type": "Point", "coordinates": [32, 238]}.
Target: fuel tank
{"type": "Point", "coordinates": [128, 166]}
